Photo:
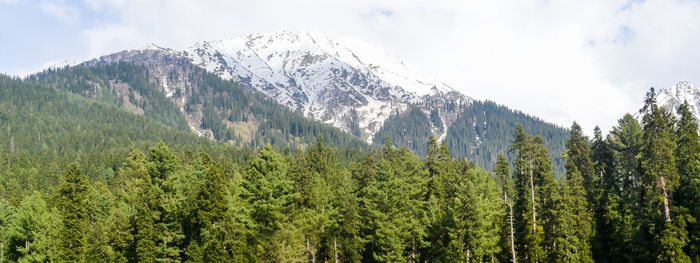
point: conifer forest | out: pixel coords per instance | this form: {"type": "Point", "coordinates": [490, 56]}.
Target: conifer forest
{"type": "Point", "coordinates": [84, 181]}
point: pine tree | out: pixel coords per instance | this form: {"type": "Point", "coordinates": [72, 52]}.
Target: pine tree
{"type": "Point", "coordinates": [395, 209]}
{"type": "Point", "coordinates": [477, 214]}
{"type": "Point", "coordinates": [439, 164]}
{"type": "Point", "coordinates": [32, 232]}
{"type": "Point", "coordinates": [74, 218]}
{"type": "Point", "coordinates": [627, 140]}
{"type": "Point", "coordinates": [573, 221]}
{"type": "Point", "coordinates": [351, 242]}
{"type": "Point", "coordinates": [659, 180]}
{"type": "Point", "coordinates": [548, 194]}
{"type": "Point", "coordinates": [271, 194]}
{"type": "Point", "coordinates": [687, 197]}
{"type": "Point", "coordinates": [212, 215]}
{"type": "Point", "coordinates": [319, 181]}
{"type": "Point", "coordinates": [6, 211]}
{"type": "Point", "coordinates": [579, 152]}
{"type": "Point", "coordinates": [145, 210]}
{"type": "Point", "coordinates": [573, 215]}
{"type": "Point", "coordinates": [162, 162]}
{"type": "Point", "coordinates": [120, 237]}
{"type": "Point", "coordinates": [613, 219]}
{"type": "Point", "coordinates": [603, 159]}
{"type": "Point", "coordinates": [503, 173]}
{"type": "Point", "coordinates": [529, 233]}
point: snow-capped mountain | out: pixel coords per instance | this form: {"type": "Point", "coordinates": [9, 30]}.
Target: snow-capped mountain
{"type": "Point", "coordinates": [346, 83]}
{"type": "Point", "coordinates": [359, 88]}
{"type": "Point", "coordinates": [674, 96]}
{"type": "Point", "coordinates": [324, 79]}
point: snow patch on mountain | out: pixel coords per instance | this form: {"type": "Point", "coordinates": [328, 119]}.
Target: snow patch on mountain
{"type": "Point", "coordinates": [321, 78]}
{"type": "Point", "coordinates": [58, 64]}
{"type": "Point", "coordinates": [672, 97]}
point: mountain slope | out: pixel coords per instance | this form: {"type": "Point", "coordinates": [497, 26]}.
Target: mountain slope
{"type": "Point", "coordinates": [38, 119]}
{"type": "Point", "coordinates": [480, 132]}
{"type": "Point", "coordinates": [321, 78]}
{"type": "Point", "coordinates": [358, 88]}
{"type": "Point", "coordinates": [207, 105]}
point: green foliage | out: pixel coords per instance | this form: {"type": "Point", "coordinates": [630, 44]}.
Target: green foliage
{"type": "Point", "coordinates": [73, 199]}
{"type": "Point", "coordinates": [687, 197]}
{"type": "Point", "coordinates": [486, 129]}
{"type": "Point", "coordinates": [323, 204]}
{"type": "Point", "coordinates": [573, 215]}
{"type": "Point", "coordinates": [145, 206]}
{"type": "Point", "coordinates": [410, 129]}
{"type": "Point", "coordinates": [271, 194]}
{"type": "Point", "coordinates": [394, 207]}
{"type": "Point", "coordinates": [482, 131]}
{"type": "Point", "coordinates": [221, 102]}
{"type": "Point", "coordinates": [32, 231]}
{"type": "Point", "coordinates": [477, 211]}
{"type": "Point", "coordinates": [106, 83]}
{"type": "Point", "coordinates": [529, 230]}
{"type": "Point", "coordinates": [659, 178]}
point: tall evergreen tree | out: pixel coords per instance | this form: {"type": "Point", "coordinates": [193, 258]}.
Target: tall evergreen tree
{"type": "Point", "coordinates": [477, 214]}
{"type": "Point", "coordinates": [603, 159]}
{"type": "Point", "coordinates": [271, 194]}
{"type": "Point", "coordinates": [74, 217]}
{"type": "Point", "coordinates": [613, 219]}
{"type": "Point", "coordinates": [659, 180]}
{"type": "Point", "coordinates": [145, 210]}
{"type": "Point", "coordinates": [32, 232]}
{"type": "Point", "coordinates": [218, 243]}
{"type": "Point", "coordinates": [318, 180]}
{"type": "Point", "coordinates": [573, 221]}
{"type": "Point", "coordinates": [503, 173]}
{"type": "Point", "coordinates": [578, 151]}
{"type": "Point", "coordinates": [529, 233]}
{"type": "Point", "coordinates": [395, 207]}
{"type": "Point", "coordinates": [6, 211]}
{"type": "Point", "coordinates": [440, 172]}
{"type": "Point", "coordinates": [548, 194]}
{"type": "Point", "coordinates": [687, 197]}
{"type": "Point", "coordinates": [627, 139]}
{"type": "Point", "coordinates": [162, 162]}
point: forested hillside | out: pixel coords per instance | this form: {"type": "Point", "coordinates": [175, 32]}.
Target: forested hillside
{"type": "Point", "coordinates": [482, 130]}
{"type": "Point", "coordinates": [223, 110]}
{"type": "Point", "coordinates": [631, 196]}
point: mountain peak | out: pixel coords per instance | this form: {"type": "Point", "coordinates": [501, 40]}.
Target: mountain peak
{"type": "Point", "coordinates": [323, 78]}
{"type": "Point", "coordinates": [685, 87]}
{"type": "Point", "coordinates": [152, 46]}
{"type": "Point", "coordinates": [345, 82]}
{"type": "Point", "coordinates": [672, 97]}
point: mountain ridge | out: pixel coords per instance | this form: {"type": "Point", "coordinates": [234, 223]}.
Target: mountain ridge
{"type": "Point", "coordinates": [346, 93]}
{"type": "Point", "coordinates": [322, 79]}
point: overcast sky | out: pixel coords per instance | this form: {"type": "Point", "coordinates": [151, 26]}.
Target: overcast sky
{"type": "Point", "coordinates": [589, 61]}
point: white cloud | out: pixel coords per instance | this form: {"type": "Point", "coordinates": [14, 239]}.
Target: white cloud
{"type": "Point", "coordinates": [589, 61]}
{"type": "Point", "coordinates": [8, 1]}
{"type": "Point", "coordinates": [66, 13]}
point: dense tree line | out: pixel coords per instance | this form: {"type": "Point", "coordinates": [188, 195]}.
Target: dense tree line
{"type": "Point", "coordinates": [630, 196]}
